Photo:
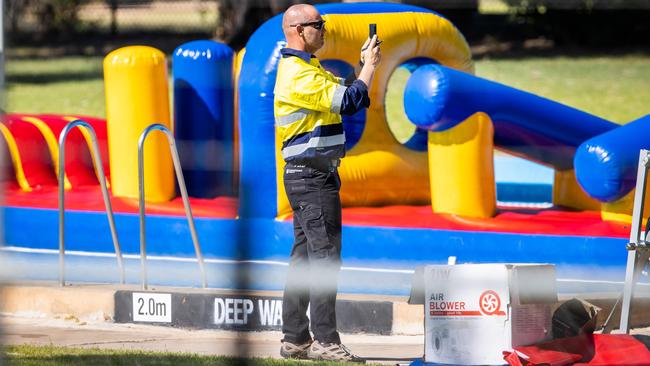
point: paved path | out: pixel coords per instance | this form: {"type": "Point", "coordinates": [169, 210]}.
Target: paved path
{"type": "Point", "coordinates": [73, 333]}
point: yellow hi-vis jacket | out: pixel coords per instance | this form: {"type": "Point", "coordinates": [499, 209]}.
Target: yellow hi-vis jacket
{"type": "Point", "coordinates": [306, 106]}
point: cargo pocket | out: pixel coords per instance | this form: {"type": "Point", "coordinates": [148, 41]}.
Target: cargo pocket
{"type": "Point", "coordinates": [312, 217]}
{"type": "Point", "coordinates": [316, 232]}
{"type": "Point", "coordinates": [295, 190]}
{"type": "Point", "coordinates": [295, 186]}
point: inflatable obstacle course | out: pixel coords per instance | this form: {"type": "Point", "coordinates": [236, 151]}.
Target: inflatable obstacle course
{"type": "Point", "coordinates": [419, 196]}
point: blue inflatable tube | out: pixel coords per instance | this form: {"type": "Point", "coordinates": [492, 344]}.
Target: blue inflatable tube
{"type": "Point", "coordinates": [606, 165]}
{"type": "Point", "coordinates": [203, 116]}
{"type": "Point", "coordinates": [438, 98]}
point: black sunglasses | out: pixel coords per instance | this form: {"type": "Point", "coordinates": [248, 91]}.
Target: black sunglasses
{"type": "Point", "coordinates": [316, 25]}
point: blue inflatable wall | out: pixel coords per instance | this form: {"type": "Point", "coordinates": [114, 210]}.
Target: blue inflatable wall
{"type": "Point", "coordinates": [203, 116]}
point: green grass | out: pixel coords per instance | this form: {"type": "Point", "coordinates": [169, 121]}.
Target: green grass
{"type": "Point", "coordinates": [398, 122]}
{"type": "Point", "coordinates": [493, 7]}
{"type": "Point", "coordinates": [56, 85]}
{"type": "Point", "coordinates": [61, 356]}
{"type": "Point", "coordinates": [615, 88]}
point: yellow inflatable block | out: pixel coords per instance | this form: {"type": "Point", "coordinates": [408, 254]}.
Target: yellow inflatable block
{"type": "Point", "coordinates": [567, 192]}
{"type": "Point", "coordinates": [461, 168]}
{"type": "Point", "coordinates": [379, 170]}
{"type": "Point", "coordinates": [621, 210]}
{"type": "Point", "coordinates": [135, 80]}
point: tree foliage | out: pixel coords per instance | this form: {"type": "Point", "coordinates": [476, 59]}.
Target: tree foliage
{"type": "Point", "coordinates": [238, 19]}
{"type": "Point", "coordinates": [593, 23]}
{"type": "Point", "coordinates": [48, 17]}
{"type": "Point", "coordinates": [576, 5]}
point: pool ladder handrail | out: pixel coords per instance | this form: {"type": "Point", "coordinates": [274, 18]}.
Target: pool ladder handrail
{"type": "Point", "coordinates": [186, 202]}
{"type": "Point", "coordinates": [97, 162]}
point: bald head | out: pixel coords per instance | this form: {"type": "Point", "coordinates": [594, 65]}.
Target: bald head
{"type": "Point", "coordinates": [299, 34]}
{"type": "Point", "coordinates": [299, 13]}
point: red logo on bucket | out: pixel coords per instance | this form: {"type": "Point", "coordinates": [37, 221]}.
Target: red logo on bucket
{"type": "Point", "coordinates": [490, 303]}
{"type": "Point", "coordinates": [438, 306]}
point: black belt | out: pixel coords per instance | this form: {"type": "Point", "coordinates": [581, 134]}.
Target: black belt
{"type": "Point", "coordinates": [320, 164]}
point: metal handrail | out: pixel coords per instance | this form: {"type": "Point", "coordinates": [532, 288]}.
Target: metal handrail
{"type": "Point", "coordinates": [97, 162]}
{"type": "Point", "coordinates": [186, 202]}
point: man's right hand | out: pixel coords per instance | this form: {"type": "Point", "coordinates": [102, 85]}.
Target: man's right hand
{"type": "Point", "coordinates": [371, 53]}
{"type": "Point", "coordinates": [370, 57]}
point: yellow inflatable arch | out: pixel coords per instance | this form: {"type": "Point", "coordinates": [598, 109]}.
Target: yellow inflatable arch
{"type": "Point", "coordinates": [379, 170]}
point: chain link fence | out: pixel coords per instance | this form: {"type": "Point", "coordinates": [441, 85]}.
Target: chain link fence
{"type": "Point", "coordinates": [186, 16]}
{"type": "Point", "coordinates": [112, 16]}
{"type": "Point", "coordinates": [71, 23]}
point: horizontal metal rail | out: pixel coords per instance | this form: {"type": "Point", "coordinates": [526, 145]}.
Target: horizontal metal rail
{"type": "Point", "coordinates": [186, 202]}
{"type": "Point", "coordinates": [97, 162]}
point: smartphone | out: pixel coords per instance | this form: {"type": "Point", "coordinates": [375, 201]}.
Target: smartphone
{"type": "Point", "coordinates": [372, 30]}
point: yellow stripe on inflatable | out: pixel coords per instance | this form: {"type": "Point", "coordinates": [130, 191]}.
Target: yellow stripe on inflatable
{"type": "Point", "coordinates": [284, 208]}
{"type": "Point", "coordinates": [136, 85]}
{"type": "Point", "coordinates": [621, 210]}
{"type": "Point", "coordinates": [567, 192]}
{"type": "Point", "coordinates": [461, 168]}
{"type": "Point", "coordinates": [378, 170]}
{"type": "Point", "coordinates": [236, 70]}
{"type": "Point", "coordinates": [15, 159]}
{"type": "Point", "coordinates": [89, 143]}
{"type": "Point", "coordinates": [52, 145]}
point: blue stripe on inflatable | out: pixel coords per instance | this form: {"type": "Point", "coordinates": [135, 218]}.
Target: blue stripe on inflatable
{"type": "Point", "coordinates": [582, 258]}
{"type": "Point", "coordinates": [369, 8]}
{"type": "Point", "coordinates": [606, 165]}
{"type": "Point", "coordinates": [271, 240]}
{"type": "Point", "coordinates": [258, 187]}
{"type": "Point", "coordinates": [438, 98]}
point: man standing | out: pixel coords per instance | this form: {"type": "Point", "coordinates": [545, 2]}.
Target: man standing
{"type": "Point", "coordinates": [308, 105]}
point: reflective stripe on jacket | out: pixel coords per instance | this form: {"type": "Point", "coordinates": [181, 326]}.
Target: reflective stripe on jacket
{"type": "Point", "coordinates": [307, 105]}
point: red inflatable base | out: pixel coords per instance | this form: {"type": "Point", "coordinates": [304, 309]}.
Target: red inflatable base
{"type": "Point", "coordinates": [35, 135]}
{"type": "Point", "coordinates": [554, 221]}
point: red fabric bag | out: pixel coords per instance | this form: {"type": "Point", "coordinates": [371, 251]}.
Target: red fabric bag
{"type": "Point", "coordinates": [591, 349]}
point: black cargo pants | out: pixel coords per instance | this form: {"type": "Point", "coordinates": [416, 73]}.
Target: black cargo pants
{"type": "Point", "coordinates": [312, 276]}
